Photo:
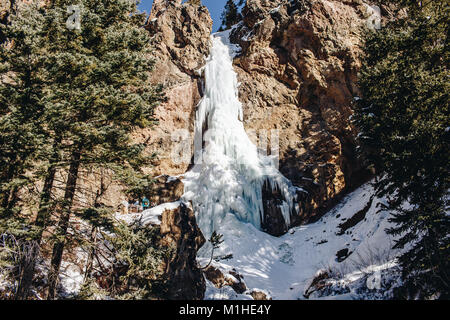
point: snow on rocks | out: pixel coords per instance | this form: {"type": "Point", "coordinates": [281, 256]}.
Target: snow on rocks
{"type": "Point", "coordinates": [285, 267]}
{"type": "Point", "coordinates": [151, 216]}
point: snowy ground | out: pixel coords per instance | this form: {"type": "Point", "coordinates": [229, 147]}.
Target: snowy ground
{"type": "Point", "coordinates": [284, 267]}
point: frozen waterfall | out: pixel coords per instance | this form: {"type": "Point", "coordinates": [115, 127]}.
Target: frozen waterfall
{"type": "Point", "coordinates": [229, 174]}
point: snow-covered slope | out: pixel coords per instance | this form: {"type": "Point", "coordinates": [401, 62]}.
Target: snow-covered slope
{"type": "Point", "coordinates": [284, 267]}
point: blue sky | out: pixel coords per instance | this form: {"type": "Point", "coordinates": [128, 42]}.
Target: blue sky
{"type": "Point", "coordinates": [215, 7]}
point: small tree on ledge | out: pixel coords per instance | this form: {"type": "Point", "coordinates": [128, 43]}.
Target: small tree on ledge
{"type": "Point", "coordinates": [230, 15]}
{"type": "Point", "coordinates": [216, 241]}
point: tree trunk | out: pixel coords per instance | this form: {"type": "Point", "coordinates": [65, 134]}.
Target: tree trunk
{"type": "Point", "coordinates": [13, 199]}
{"type": "Point", "coordinates": [90, 260]}
{"type": "Point", "coordinates": [27, 274]}
{"type": "Point", "coordinates": [8, 195]}
{"type": "Point", "coordinates": [63, 224]}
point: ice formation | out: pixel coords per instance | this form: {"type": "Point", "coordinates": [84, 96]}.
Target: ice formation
{"type": "Point", "coordinates": [229, 174]}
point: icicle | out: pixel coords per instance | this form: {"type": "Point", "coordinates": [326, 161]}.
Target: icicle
{"type": "Point", "coordinates": [230, 175]}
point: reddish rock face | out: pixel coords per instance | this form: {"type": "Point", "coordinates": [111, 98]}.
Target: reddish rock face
{"type": "Point", "coordinates": [298, 73]}
{"type": "Point", "coordinates": [166, 190]}
{"type": "Point", "coordinates": [181, 38]}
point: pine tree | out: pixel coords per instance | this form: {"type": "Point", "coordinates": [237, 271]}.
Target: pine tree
{"type": "Point", "coordinates": [216, 241]}
{"type": "Point", "coordinates": [241, 3]}
{"type": "Point", "coordinates": [22, 104]}
{"type": "Point", "coordinates": [24, 143]}
{"type": "Point", "coordinates": [70, 99]}
{"type": "Point", "coordinates": [230, 15]}
{"type": "Point", "coordinates": [138, 257]}
{"type": "Point", "coordinates": [403, 118]}
{"type": "Point", "coordinates": [99, 89]}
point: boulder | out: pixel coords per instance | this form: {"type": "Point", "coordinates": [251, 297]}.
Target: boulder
{"type": "Point", "coordinates": [219, 280]}
{"type": "Point", "coordinates": [166, 189]}
{"type": "Point", "coordinates": [180, 231]}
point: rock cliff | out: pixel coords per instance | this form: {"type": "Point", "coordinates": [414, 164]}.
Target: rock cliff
{"type": "Point", "coordinates": [181, 38]}
{"type": "Point", "coordinates": [298, 72]}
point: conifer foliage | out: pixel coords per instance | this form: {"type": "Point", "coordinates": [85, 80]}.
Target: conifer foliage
{"type": "Point", "coordinates": [230, 15]}
{"type": "Point", "coordinates": [136, 258]}
{"type": "Point", "coordinates": [403, 116]}
{"type": "Point", "coordinates": [70, 98]}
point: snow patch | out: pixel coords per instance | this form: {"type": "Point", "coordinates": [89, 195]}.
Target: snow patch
{"type": "Point", "coordinates": [285, 266]}
{"type": "Point", "coordinates": [150, 216]}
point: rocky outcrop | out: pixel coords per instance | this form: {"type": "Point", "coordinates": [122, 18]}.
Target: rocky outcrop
{"type": "Point", "coordinates": [179, 230]}
{"type": "Point", "coordinates": [273, 222]}
{"type": "Point", "coordinates": [259, 295]}
{"type": "Point", "coordinates": [181, 38]}
{"type": "Point", "coordinates": [166, 189]}
{"type": "Point", "coordinates": [176, 231]}
{"type": "Point", "coordinates": [231, 279]}
{"type": "Point", "coordinates": [298, 72]}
